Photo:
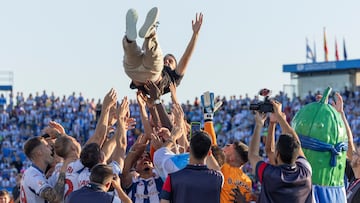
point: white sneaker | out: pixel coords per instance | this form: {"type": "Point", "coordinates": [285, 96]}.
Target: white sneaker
{"type": "Point", "coordinates": [131, 20]}
{"type": "Point", "coordinates": [150, 24]}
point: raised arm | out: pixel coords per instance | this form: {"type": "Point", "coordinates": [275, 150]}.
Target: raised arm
{"type": "Point", "coordinates": [173, 95]}
{"type": "Point", "coordinates": [120, 192]}
{"type": "Point", "coordinates": [142, 99]}
{"type": "Point", "coordinates": [124, 122]}
{"type": "Point", "coordinates": [285, 127]}
{"type": "Point", "coordinates": [339, 106]}
{"type": "Point", "coordinates": [133, 155]}
{"type": "Point", "coordinates": [179, 114]}
{"type": "Point", "coordinates": [270, 139]}
{"type": "Point", "coordinates": [110, 144]}
{"type": "Point", "coordinates": [254, 146]}
{"type": "Point", "coordinates": [196, 25]}
{"type": "Point", "coordinates": [102, 124]}
{"type": "Point", "coordinates": [155, 94]}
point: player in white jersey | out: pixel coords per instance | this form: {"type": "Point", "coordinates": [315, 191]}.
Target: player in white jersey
{"type": "Point", "coordinates": [66, 146]}
{"type": "Point", "coordinates": [34, 185]}
{"type": "Point", "coordinates": [84, 176]}
{"type": "Point", "coordinates": [90, 156]}
{"type": "Point", "coordinates": [96, 191]}
{"type": "Point", "coordinates": [71, 176]}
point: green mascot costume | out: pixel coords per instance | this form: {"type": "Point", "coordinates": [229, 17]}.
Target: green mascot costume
{"type": "Point", "coordinates": [324, 141]}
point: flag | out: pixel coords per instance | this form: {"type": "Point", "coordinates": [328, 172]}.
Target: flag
{"type": "Point", "coordinates": [325, 47]}
{"type": "Point", "coordinates": [309, 53]}
{"type": "Point", "coordinates": [336, 51]}
{"type": "Point", "coordinates": [314, 58]}
{"type": "Point", "coordinates": [345, 53]}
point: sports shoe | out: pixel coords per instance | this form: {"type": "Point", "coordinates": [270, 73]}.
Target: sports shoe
{"type": "Point", "coordinates": [131, 20]}
{"type": "Point", "coordinates": [150, 24]}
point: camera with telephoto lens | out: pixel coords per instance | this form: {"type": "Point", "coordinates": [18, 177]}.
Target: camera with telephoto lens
{"type": "Point", "coordinates": [263, 106]}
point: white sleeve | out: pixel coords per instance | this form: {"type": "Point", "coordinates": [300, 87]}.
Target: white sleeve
{"type": "Point", "coordinates": [37, 183]}
{"type": "Point", "coordinates": [54, 176]}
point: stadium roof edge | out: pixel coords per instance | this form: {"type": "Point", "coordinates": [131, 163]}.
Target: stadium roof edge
{"type": "Point", "coordinates": [322, 66]}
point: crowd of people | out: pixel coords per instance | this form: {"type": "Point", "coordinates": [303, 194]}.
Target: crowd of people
{"type": "Point", "coordinates": [22, 118]}
{"type": "Point", "coordinates": [140, 150]}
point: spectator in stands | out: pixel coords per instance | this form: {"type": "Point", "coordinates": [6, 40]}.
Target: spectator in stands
{"type": "Point", "coordinates": [16, 189]}
{"type": "Point", "coordinates": [17, 163]}
{"type": "Point", "coordinates": [146, 64]}
{"type": "Point", "coordinates": [290, 179]}
{"type": "Point", "coordinates": [101, 178]}
{"type": "Point", "coordinates": [191, 184]}
{"type": "Point", "coordinates": [2, 102]}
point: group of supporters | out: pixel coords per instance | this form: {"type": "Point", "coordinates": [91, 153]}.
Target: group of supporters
{"type": "Point", "coordinates": [75, 150]}
{"type": "Point", "coordinates": [165, 164]}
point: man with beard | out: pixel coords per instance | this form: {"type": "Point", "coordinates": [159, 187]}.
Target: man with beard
{"type": "Point", "coordinates": [34, 185]}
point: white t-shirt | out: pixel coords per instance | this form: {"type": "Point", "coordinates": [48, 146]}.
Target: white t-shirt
{"type": "Point", "coordinates": [166, 161]}
{"type": "Point", "coordinates": [32, 184]}
{"type": "Point", "coordinates": [71, 177]}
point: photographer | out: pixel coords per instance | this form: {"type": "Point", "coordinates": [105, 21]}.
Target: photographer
{"type": "Point", "coordinates": [101, 179]}
{"type": "Point", "coordinates": [289, 179]}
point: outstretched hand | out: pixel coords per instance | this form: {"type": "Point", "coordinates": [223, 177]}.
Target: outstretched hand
{"type": "Point", "coordinates": [196, 25]}
{"type": "Point", "coordinates": [260, 118]}
{"type": "Point", "coordinates": [338, 104]}
{"type": "Point", "coordinates": [53, 129]}
{"type": "Point", "coordinates": [110, 98]}
{"type": "Point", "coordinates": [139, 146]}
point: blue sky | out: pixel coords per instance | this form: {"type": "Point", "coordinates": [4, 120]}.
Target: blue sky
{"type": "Point", "coordinates": [75, 46]}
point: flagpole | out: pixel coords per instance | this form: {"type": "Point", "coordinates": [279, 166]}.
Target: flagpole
{"type": "Point", "coordinates": [325, 47]}
{"type": "Point", "coordinates": [314, 57]}
{"type": "Point", "coordinates": [344, 50]}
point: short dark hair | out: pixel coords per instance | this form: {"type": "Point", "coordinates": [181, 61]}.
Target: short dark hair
{"type": "Point", "coordinates": [200, 144]}
{"type": "Point", "coordinates": [90, 155]}
{"type": "Point", "coordinates": [288, 148]}
{"type": "Point", "coordinates": [242, 150]}
{"type": "Point", "coordinates": [31, 144]}
{"type": "Point", "coordinates": [101, 174]}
